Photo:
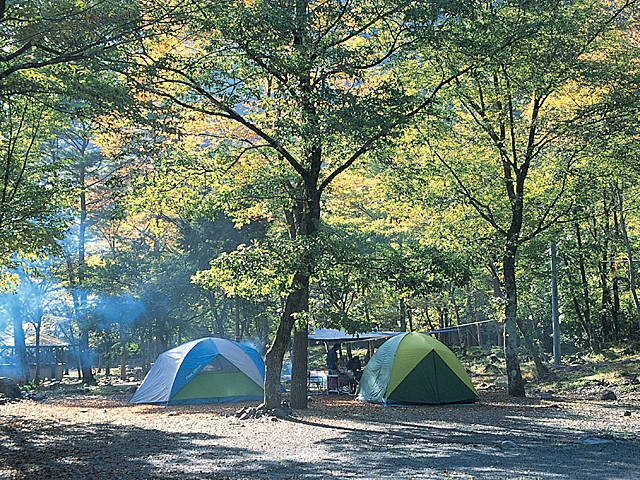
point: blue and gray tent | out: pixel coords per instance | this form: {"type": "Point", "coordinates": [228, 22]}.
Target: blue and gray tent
{"type": "Point", "coordinates": [208, 370]}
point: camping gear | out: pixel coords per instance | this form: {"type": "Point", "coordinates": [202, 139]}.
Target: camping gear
{"type": "Point", "coordinates": [207, 370]}
{"type": "Point", "coordinates": [414, 368]}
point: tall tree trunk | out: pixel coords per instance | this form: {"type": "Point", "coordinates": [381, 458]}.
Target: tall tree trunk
{"type": "Point", "coordinates": [236, 316]}
{"type": "Point", "coordinates": [606, 325]}
{"type": "Point", "coordinates": [297, 301]}
{"type": "Point", "coordinates": [303, 220]}
{"type": "Point", "coordinates": [123, 352]}
{"type": "Point", "coordinates": [534, 350]}
{"type": "Point", "coordinates": [498, 295]}
{"type": "Point", "coordinates": [85, 351]}
{"type": "Point", "coordinates": [632, 268]}
{"type": "Point", "coordinates": [402, 320]}
{"type": "Point", "coordinates": [299, 364]}
{"type": "Point", "coordinates": [605, 303]}
{"type": "Point", "coordinates": [615, 301]}
{"type": "Point", "coordinates": [21, 358]}
{"type": "Point", "coordinates": [473, 316]}
{"type": "Point", "coordinates": [593, 341]}
{"type": "Point", "coordinates": [514, 374]}
{"type": "Point", "coordinates": [577, 306]}
{"type": "Point", "coordinates": [38, 327]}
{"type": "Point", "coordinates": [86, 364]}
{"type": "Point", "coordinates": [456, 314]}
{"type": "Point", "coordinates": [555, 311]}
{"type": "Point", "coordinates": [409, 317]}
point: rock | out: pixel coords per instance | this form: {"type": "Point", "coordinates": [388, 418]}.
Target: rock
{"type": "Point", "coordinates": [546, 396]}
{"type": "Point", "coordinates": [608, 395]}
{"type": "Point", "coordinates": [51, 385]}
{"type": "Point", "coordinates": [9, 388]}
{"type": "Point", "coordinates": [36, 396]}
{"type": "Point", "coordinates": [491, 368]}
{"type": "Point", "coordinates": [509, 445]}
{"type": "Point", "coordinates": [260, 411]}
{"type": "Point", "coordinates": [493, 358]}
{"type": "Point", "coordinates": [282, 412]}
{"type": "Point", "coordinates": [502, 382]}
{"type": "Point", "coordinates": [596, 441]}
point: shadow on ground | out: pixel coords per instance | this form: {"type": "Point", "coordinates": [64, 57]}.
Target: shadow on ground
{"type": "Point", "coordinates": [365, 442]}
{"type": "Point", "coordinates": [517, 449]}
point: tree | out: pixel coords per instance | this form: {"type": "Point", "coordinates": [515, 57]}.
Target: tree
{"type": "Point", "coordinates": [49, 50]}
{"type": "Point", "coordinates": [38, 36]}
{"type": "Point", "coordinates": [31, 219]}
{"type": "Point", "coordinates": [510, 152]}
{"type": "Point", "coordinates": [596, 254]}
{"type": "Point", "coordinates": [85, 164]}
{"type": "Point", "coordinates": [310, 89]}
{"type": "Point", "coordinates": [615, 145]}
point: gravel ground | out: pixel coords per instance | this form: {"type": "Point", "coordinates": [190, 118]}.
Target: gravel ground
{"type": "Point", "coordinates": [499, 438]}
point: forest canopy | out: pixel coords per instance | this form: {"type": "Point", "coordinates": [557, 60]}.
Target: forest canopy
{"type": "Point", "coordinates": [256, 169]}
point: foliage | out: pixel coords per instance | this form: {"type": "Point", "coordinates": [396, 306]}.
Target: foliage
{"type": "Point", "coordinates": [358, 165]}
{"type": "Point", "coordinates": [31, 210]}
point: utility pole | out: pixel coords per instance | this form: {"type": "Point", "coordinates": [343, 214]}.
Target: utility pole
{"type": "Point", "coordinates": [555, 315]}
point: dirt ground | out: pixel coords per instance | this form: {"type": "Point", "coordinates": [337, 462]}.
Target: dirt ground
{"type": "Point", "coordinates": [103, 437]}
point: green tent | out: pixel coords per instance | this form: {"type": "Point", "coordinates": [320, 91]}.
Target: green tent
{"type": "Point", "coordinates": [414, 368]}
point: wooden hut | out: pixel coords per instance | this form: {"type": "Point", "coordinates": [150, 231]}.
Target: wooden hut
{"type": "Point", "coordinates": [49, 358]}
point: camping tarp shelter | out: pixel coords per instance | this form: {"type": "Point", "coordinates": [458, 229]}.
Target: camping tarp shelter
{"type": "Point", "coordinates": [207, 370]}
{"type": "Point", "coordinates": [340, 336]}
{"type": "Point", "coordinates": [415, 368]}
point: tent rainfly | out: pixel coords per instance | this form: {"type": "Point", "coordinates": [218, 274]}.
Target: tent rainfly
{"type": "Point", "coordinates": [208, 370]}
{"type": "Point", "coordinates": [329, 335]}
{"type": "Point", "coordinates": [415, 368]}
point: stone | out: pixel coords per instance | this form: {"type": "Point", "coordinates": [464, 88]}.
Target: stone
{"type": "Point", "coordinates": [608, 395]}
{"type": "Point", "coordinates": [502, 382]}
{"type": "Point", "coordinates": [509, 445]}
{"type": "Point", "coordinates": [596, 441]}
{"type": "Point", "coordinates": [9, 388]}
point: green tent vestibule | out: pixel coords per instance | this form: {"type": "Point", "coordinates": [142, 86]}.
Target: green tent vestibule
{"type": "Point", "coordinates": [415, 368]}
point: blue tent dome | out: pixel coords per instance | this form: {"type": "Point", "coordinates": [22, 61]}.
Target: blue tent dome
{"type": "Point", "coordinates": [207, 370]}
